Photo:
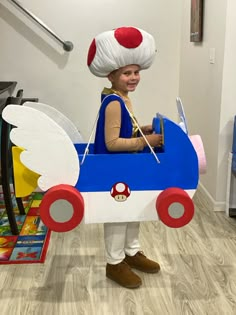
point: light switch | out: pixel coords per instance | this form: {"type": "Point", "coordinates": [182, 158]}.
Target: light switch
{"type": "Point", "coordinates": [212, 55]}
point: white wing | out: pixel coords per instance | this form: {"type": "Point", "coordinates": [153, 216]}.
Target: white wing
{"type": "Point", "coordinates": [59, 118]}
{"type": "Point", "coordinates": [48, 149]}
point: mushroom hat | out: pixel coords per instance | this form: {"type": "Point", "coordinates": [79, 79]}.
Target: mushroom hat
{"type": "Point", "coordinates": [120, 47]}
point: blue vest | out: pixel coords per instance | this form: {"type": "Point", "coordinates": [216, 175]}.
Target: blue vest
{"type": "Point", "coordinates": [126, 124]}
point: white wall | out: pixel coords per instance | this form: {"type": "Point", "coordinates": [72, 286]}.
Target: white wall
{"type": "Point", "coordinates": [44, 70]}
{"type": "Point", "coordinates": [228, 100]}
{"type": "Point", "coordinates": [201, 92]}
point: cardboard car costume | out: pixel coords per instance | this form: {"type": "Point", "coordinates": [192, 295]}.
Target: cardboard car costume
{"type": "Point", "coordinates": [101, 187]}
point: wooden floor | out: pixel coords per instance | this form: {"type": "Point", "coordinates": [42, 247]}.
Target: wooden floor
{"type": "Point", "coordinates": [198, 274]}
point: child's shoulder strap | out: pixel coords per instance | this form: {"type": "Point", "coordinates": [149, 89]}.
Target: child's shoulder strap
{"type": "Point", "coordinates": [112, 97]}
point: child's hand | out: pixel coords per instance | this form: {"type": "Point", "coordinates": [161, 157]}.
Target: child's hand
{"type": "Point", "coordinates": [155, 140]}
{"type": "Point", "coordinates": [147, 130]}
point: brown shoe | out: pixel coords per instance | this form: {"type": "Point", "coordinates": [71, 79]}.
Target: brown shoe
{"type": "Point", "coordinates": [142, 263]}
{"type": "Point", "coordinates": [123, 275]}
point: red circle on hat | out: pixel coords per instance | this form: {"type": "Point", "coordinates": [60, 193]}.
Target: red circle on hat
{"type": "Point", "coordinates": [129, 37]}
{"type": "Point", "coordinates": [91, 52]}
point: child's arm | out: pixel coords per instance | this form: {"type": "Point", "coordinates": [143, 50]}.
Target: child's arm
{"type": "Point", "coordinates": [112, 132]}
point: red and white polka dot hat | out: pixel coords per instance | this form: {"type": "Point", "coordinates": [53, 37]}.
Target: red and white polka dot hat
{"type": "Point", "coordinates": [118, 48]}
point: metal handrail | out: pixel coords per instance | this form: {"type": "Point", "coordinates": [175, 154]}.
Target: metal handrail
{"type": "Point", "coordinates": [67, 45]}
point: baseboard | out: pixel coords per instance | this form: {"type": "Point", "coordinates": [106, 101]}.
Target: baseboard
{"type": "Point", "coordinates": [202, 197]}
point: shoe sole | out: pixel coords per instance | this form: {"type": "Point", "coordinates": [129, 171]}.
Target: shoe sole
{"type": "Point", "coordinates": [146, 271]}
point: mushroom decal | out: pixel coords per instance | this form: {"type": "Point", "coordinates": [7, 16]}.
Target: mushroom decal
{"type": "Point", "coordinates": [120, 191]}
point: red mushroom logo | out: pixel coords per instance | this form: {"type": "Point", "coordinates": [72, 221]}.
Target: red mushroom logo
{"type": "Point", "coordinates": [120, 191]}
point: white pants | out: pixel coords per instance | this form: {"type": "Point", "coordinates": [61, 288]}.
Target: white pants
{"type": "Point", "coordinates": [120, 239]}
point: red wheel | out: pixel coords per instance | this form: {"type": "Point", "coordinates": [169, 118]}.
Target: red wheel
{"type": "Point", "coordinates": [73, 198]}
{"type": "Point", "coordinates": [168, 198]}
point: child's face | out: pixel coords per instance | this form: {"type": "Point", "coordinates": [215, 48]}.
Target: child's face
{"type": "Point", "coordinates": [125, 79]}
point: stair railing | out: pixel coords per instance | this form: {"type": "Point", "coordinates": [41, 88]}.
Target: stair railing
{"type": "Point", "coordinates": [67, 45]}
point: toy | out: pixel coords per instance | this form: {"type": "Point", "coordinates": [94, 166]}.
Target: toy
{"type": "Point", "coordinates": [98, 188]}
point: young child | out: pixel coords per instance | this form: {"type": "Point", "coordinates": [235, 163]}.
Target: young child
{"type": "Point", "coordinates": [119, 55]}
